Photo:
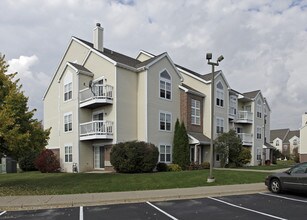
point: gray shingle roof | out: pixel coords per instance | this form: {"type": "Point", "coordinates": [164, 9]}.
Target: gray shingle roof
{"type": "Point", "coordinates": [203, 139]}
{"type": "Point", "coordinates": [279, 133]}
{"type": "Point", "coordinates": [79, 67]}
{"type": "Point", "coordinates": [206, 77]}
{"type": "Point", "coordinates": [291, 134]}
{"type": "Point", "coordinates": [251, 94]}
{"type": "Point", "coordinates": [117, 57]}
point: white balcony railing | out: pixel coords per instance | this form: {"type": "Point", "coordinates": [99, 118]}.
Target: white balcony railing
{"type": "Point", "coordinates": [96, 94]}
{"type": "Point", "coordinates": [96, 130]}
{"type": "Point", "coordinates": [245, 116]}
{"type": "Point", "coordinates": [247, 138]}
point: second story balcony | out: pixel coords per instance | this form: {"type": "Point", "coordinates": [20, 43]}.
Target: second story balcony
{"type": "Point", "coordinates": [94, 130]}
{"type": "Point", "coordinates": [244, 117]}
{"type": "Point", "coordinates": [247, 138]}
{"type": "Point", "coordinates": [96, 96]}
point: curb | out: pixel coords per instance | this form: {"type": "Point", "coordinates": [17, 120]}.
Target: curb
{"type": "Point", "coordinates": [15, 203]}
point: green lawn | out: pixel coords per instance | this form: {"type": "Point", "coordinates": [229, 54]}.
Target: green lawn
{"type": "Point", "coordinates": [35, 183]}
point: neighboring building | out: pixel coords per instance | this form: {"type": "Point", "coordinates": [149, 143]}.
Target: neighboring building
{"type": "Point", "coordinates": [303, 139]}
{"type": "Point", "coordinates": [285, 140]}
{"type": "Point", "coordinates": [99, 97]}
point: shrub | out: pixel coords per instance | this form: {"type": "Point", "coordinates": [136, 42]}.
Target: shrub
{"type": "Point", "coordinates": [194, 166]}
{"type": "Point", "coordinates": [161, 167]}
{"type": "Point", "coordinates": [27, 161]}
{"type": "Point", "coordinates": [205, 165]}
{"type": "Point", "coordinates": [174, 167]}
{"type": "Point", "coordinates": [245, 156]}
{"type": "Point", "coordinates": [47, 162]}
{"type": "Point", "coordinates": [134, 157]}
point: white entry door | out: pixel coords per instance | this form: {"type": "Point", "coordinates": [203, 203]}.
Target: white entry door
{"type": "Point", "coordinates": [98, 157]}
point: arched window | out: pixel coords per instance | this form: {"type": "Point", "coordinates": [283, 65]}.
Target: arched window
{"type": "Point", "coordinates": [165, 85]}
{"type": "Point", "coordinates": [219, 94]}
{"type": "Point", "coordinates": [277, 143]}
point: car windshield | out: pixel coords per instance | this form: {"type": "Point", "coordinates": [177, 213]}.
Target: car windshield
{"type": "Point", "coordinates": [301, 168]}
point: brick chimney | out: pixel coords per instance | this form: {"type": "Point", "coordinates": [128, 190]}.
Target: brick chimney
{"type": "Point", "coordinates": [98, 37]}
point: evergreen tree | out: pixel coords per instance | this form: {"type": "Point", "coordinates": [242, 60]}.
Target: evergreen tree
{"type": "Point", "coordinates": [19, 132]}
{"type": "Point", "coordinates": [176, 143]}
{"type": "Point", "coordinates": [181, 153]}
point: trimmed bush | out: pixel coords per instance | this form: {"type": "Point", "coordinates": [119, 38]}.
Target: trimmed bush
{"type": "Point", "coordinates": [27, 161]}
{"type": "Point", "coordinates": [134, 157]}
{"type": "Point", "coordinates": [205, 165]}
{"type": "Point", "coordinates": [174, 167]}
{"type": "Point", "coordinates": [47, 162]}
{"type": "Point", "coordinates": [161, 167]}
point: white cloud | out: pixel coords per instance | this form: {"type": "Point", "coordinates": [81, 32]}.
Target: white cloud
{"type": "Point", "coordinates": [264, 42]}
{"type": "Point", "coordinates": [33, 83]}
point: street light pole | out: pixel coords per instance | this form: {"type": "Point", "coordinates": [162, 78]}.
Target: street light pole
{"type": "Point", "coordinates": [211, 179]}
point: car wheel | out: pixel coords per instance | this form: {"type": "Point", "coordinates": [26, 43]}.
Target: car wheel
{"type": "Point", "coordinates": [275, 186]}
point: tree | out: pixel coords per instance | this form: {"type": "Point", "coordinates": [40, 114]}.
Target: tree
{"type": "Point", "coordinates": [19, 132]}
{"type": "Point", "coordinates": [229, 146]}
{"type": "Point", "coordinates": [181, 153]}
{"type": "Point", "coordinates": [134, 157]}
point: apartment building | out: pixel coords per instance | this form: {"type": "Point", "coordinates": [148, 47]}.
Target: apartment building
{"type": "Point", "coordinates": [99, 97]}
{"type": "Point", "coordinates": [303, 139]}
{"type": "Point", "coordinates": [285, 140]}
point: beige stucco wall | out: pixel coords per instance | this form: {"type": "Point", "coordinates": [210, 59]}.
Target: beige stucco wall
{"type": "Point", "coordinates": [126, 105]}
{"type": "Point", "coordinates": [142, 106]}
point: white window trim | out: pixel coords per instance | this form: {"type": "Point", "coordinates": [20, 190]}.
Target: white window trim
{"type": "Point", "coordinates": [195, 116]}
{"type": "Point", "coordinates": [221, 91]}
{"type": "Point", "coordinates": [166, 80]}
{"type": "Point", "coordinates": [164, 112]}
{"type": "Point", "coordinates": [258, 109]}
{"type": "Point", "coordinates": [223, 124]}
{"type": "Point", "coordinates": [69, 146]}
{"type": "Point", "coordinates": [260, 129]}
{"type": "Point", "coordinates": [68, 92]}
{"type": "Point", "coordinates": [171, 155]}
{"type": "Point", "coordinates": [65, 115]}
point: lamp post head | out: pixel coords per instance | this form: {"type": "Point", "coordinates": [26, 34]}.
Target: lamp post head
{"type": "Point", "coordinates": [220, 58]}
{"type": "Point", "coordinates": [209, 56]}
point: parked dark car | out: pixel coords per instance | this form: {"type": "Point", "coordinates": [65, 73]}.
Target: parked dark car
{"type": "Point", "coordinates": [294, 179]}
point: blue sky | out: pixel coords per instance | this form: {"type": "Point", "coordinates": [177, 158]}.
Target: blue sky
{"type": "Point", "coordinates": [264, 42]}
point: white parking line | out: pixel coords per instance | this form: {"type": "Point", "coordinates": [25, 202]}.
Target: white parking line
{"type": "Point", "coordinates": [81, 213]}
{"type": "Point", "coordinates": [247, 209]}
{"type": "Point", "coordinates": [165, 213]}
{"type": "Point", "coordinates": [283, 197]}
{"type": "Point", "coordinates": [2, 213]}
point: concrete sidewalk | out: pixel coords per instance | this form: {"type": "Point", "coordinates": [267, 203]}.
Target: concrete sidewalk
{"type": "Point", "coordinates": [56, 201]}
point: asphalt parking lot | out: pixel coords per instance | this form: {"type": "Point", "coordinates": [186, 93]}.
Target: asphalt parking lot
{"type": "Point", "coordinates": [253, 206]}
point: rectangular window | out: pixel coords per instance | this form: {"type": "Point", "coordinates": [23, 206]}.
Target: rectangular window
{"type": "Point", "coordinates": [195, 112]}
{"type": "Point", "coordinates": [258, 154]}
{"type": "Point", "coordinates": [68, 122]}
{"type": "Point", "coordinates": [68, 154]}
{"type": "Point", "coordinates": [68, 91]}
{"type": "Point", "coordinates": [165, 89]}
{"type": "Point", "coordinates": [165, 153]}
{"type": "Point", "coordinates": [220, 98]}
{"type": "Point", "coordinates": [259, 132]}
{"type": "Point", "coordinates": [219, 125]}
{"type": "Point", "coordinates": [165, 121]}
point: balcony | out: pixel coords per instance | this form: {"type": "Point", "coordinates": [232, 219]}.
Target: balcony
{"type": "Point", "coordinates": [96, 130]}
{"type": "Point", "coordinates": [96, 96]}
{"type": "Point", "coordinates": [247, 139]}
{"type": "Point", "coordinates": [244, 117]}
